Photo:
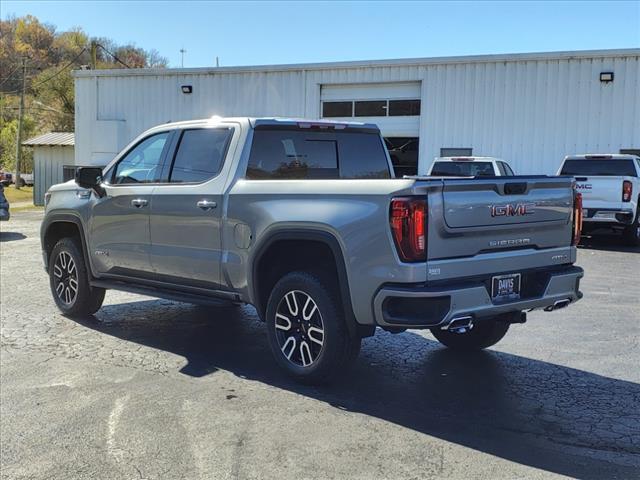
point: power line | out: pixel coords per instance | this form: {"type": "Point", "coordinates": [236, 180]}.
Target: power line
{"type": "Point", "coordinates": [10, 75]}
{"type": "Point", "coordinates": [61, 70]}
{"type": "Point", "coordinates": [113, 55]}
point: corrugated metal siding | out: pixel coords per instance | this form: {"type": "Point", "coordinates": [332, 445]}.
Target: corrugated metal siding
{"type": "Point", "coordinates": [51, 138]}
{"type": "Point", "coordinates": [530, 112]}
{"type": "Point", "coordinates": [48, 163]}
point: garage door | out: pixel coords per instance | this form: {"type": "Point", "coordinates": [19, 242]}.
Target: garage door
{"type": "Point", "coordinates": [394, 107]}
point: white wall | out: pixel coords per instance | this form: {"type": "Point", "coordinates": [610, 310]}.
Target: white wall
{"type": "Point", "coordinates": [47, 168]}
{"type": "Point", "coordinates": [530, 109]}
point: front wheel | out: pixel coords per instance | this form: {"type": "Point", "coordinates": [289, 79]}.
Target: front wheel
{"type": "Point", "coordinates": [69, 281]}
{"type": "Point", "coordinates": [484, 334]}
{"type": "Point", "coordinates": [306, 327]}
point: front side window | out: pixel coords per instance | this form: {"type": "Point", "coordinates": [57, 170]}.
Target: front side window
{"type": "Point", "coordinates": [143, 164]}
{"type": "Point", "coordinates": [200, 155]}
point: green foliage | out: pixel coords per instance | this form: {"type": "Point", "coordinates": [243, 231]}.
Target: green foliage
{"type": "Point", "coordinates": [8, 136]}
{"type": "Point", "coordinates": [51, 57]}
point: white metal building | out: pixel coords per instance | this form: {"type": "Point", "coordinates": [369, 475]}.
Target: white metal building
{"type": "Point", "coordinates": [53, 153]}
{"type": "Point", "coordinates": [531, 109]}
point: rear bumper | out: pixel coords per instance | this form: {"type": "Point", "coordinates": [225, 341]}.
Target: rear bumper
{"type": "Point", "coordinates": [431, 306]}
{"type": "Point", "coordinates": [608, 215]}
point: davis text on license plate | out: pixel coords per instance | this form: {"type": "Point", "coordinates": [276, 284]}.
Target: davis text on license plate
{"type": "Point", "coordinates": [506, 287]}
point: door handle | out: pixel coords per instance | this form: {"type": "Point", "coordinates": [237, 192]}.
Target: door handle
{"type": "Point", "coordinates": [206, 204]}
{"type": "Point", "coordinates": [139, 202]}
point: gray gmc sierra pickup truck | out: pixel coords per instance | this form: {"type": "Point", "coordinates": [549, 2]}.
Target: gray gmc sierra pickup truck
{"type": "Point", "coordinates": [305, 220]}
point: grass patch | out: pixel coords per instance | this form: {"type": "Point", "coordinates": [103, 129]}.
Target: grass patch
{"type": "Point", "coordinates": [25, 194]}
{"type": "Point", "coordinates": [26, 208]}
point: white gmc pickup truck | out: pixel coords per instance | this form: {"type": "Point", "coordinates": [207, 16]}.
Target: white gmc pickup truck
{"type": "Point", "coordinates": [610, 187]}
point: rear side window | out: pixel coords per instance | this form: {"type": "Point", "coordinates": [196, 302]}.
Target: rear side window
{"type": "Point", "coordinates": [298, 154]}
{"type": "Point", "coordinates": [462, 169]}
{"type": "Point", "coordinates": [507, 169]}
{"type": "Point", "coordinates": [200, 155]}
{"type": "Point", "coordinates": [597, 167]}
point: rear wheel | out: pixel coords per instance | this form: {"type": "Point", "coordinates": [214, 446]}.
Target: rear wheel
{"type": "Point", "coordinates": [69, 281]}
{"type": "Point", "coordinates": [631, 234]}
{"type": "Point", "coordinates": [484, 334]}
{"type": "Point", "coordinates": [307, 330]}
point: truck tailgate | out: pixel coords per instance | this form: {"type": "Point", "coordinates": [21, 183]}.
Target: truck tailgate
{"type": "Point", "coordinates": [601, 191]}
{"type": "Point", "coordinates": [496, 214]}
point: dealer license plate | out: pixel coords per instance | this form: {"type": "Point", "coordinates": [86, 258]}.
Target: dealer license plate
{"type": "Point", "coordinates": [505, 287]}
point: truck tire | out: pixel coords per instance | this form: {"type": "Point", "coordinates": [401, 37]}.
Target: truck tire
{"type": "Point", "coordinates": [69, 281]}
{"type": "Point", "coordinates": [631, 233]}
{"type": "Point", "coordinates": [484, 334]}
{"type": "Point", "coordinates": [306, 328]}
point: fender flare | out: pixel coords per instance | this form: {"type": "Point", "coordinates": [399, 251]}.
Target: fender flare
{"type": "Point", "coordinates": [55, 218]}
{"type": "Point", "coordinates": [305, 234]}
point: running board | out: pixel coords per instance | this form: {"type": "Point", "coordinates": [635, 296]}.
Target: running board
{"type": "Point", "coordinates": [215, 298]}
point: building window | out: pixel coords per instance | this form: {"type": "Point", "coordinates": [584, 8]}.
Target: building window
{"type": "Point", "coordinates": [403, 152]}
{"type": "Point", "coordinates": [456, 152]}
{"type": "Point", "coordinates": [337, 109]}
{"type": "Point", "coordinates": [402, 108]}
{"type": "Point", "coordinates": [371, 108]}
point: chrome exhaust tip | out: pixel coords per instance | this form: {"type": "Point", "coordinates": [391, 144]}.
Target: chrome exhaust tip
{"type": "Point", "coordinates": [459, 324]}
{"type": "Point", "coordinates": [558, 304]}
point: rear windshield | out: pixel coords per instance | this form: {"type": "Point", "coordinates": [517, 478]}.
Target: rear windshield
{"type": "Point", "coordinates": [594, 167]}
{"type": "Point", "coordinates": [462, 169]}
{"type": "Point", "coordinates": [303, 154]}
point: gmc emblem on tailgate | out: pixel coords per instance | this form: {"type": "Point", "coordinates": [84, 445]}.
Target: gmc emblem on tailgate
{"type": "Point", "coordinates": [512, 210]}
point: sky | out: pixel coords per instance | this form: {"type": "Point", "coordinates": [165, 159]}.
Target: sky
{"type": "Point", "coordinates": [264, 33]}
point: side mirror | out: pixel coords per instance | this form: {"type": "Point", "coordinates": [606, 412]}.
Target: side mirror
{"type": "Point", "coordinates": [90, 177]}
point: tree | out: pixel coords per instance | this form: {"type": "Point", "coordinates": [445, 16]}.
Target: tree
{"type": "Point", "coordinates": [8, 134]}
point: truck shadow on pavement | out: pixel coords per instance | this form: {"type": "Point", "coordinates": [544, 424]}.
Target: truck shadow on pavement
{"type": "Point", "coordinates": [11, 236]}
{"type": "Point", "coordinates": [547, 416]}
{"type": "Point", "coordinates": [607, 243]}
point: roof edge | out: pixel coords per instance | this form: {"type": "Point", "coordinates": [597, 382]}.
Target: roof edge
{"type": "Point", "coordinates": [503, 57]}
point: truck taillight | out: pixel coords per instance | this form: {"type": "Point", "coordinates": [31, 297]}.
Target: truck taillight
{"type": "Point", "coordinates": [627, 191]}
{"type": "Point", "coordinates": [577, 218]}
{"type": "Point", "coordinates": [408, 220]}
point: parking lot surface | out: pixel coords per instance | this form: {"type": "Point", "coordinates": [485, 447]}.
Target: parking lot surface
{"type": "Point", "coordinates": [154, 389]}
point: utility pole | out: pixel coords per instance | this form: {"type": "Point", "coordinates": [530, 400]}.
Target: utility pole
{"type": "Point", "coordinates": [182, 52]}
{"type": "Point", "coordinates": [217, 62]}
{"type": "Point", "coordinates": [18, 180]}
{"type": "Point", "coordinates": [94, 54]}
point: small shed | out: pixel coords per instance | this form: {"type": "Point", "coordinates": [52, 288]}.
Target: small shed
{"type": "Point", "coordinates": [53, 161]}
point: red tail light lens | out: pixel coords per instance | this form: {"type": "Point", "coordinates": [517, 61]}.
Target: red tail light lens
{"type": "Point", "coordinates": [577, 218]}
{"type": "Point", "coordinates": [627, 191]}
{"type": "Point", "coordinates": [408, 220]}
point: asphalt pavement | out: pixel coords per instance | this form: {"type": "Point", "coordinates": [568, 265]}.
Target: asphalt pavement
{"type": "Point", "coordinates": [154, 389]}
